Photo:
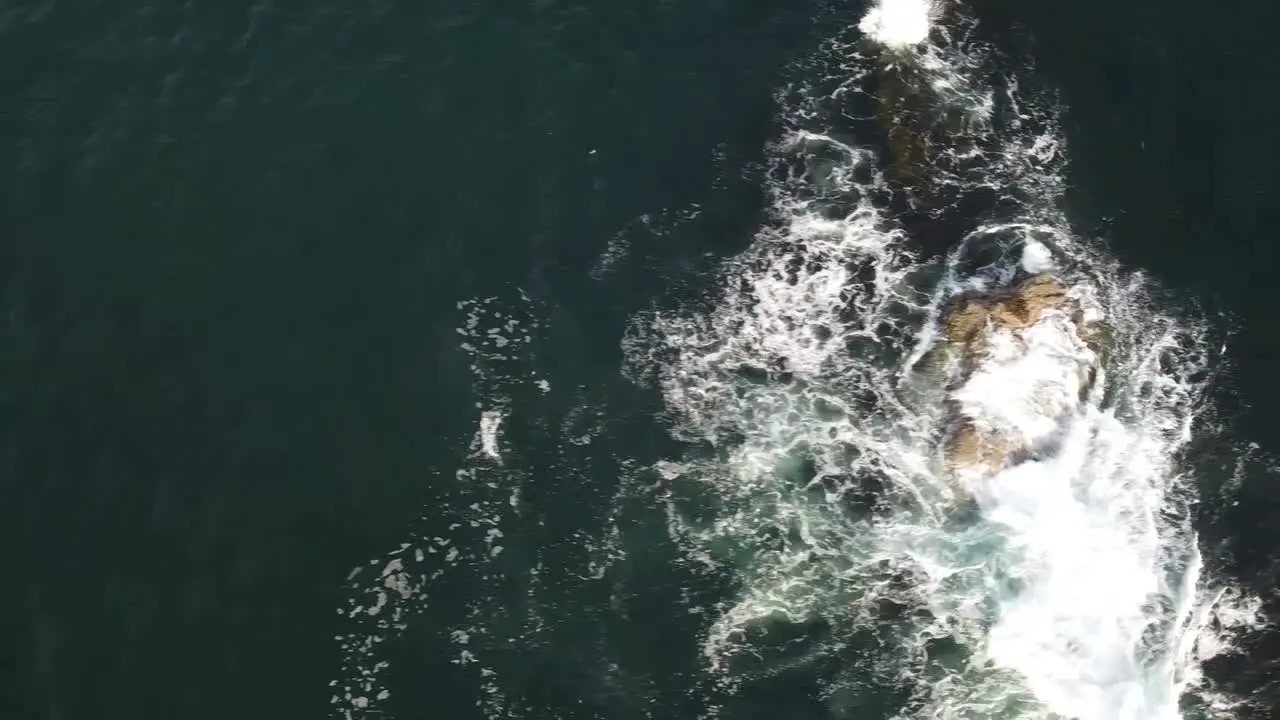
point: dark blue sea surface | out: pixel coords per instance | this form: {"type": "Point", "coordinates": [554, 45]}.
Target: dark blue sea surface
{"type": "Point", "coordinates": [240, 244]}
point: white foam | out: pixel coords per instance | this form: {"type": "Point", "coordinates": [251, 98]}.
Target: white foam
{"type": "Point", "coordinates": [486, 440]}
{"type": "Point", "coordinates": [1029, 381]}
{"type": "Point", "coordinates": [898, 24]}
{"type": "Point", "coordinates": [1036, 258]}
{"type": "Point", "coordinates": [482, 495]}
{"type": "Point", "coordinates": [1076, 590]}
{"type": "Point", "coordinates": [1082, 526]}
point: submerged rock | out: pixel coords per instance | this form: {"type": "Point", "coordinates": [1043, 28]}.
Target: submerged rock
{"type": "Point", "coordinates": [920, 113]}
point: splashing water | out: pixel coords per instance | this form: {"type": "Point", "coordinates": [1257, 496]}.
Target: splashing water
{"type": "Point", "coordinates": [898, 23]}
{"type": "Point", "coordinates": [1068, 585]}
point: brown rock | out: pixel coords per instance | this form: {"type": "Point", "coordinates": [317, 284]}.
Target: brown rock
{"type": "Point", "coordinates": [966, 327]}
{"type": "Point", "coordinates": [969, 448]}
{"type": "Point", "coordinates": [967, 323]}
{"type": "Point", "coordinates": [1019, 308]}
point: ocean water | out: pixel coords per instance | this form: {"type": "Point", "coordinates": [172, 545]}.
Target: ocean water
{"type": "Point", "coordinates": [556, 360]}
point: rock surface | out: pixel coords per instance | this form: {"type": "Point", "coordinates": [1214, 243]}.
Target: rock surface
{"type": "Point", "coordinates": [972, 445]}
{"type": "Point", "coordinates": [971, 449]}
{"type": "Point", "coordinates": [916, 118]}
{"type": "Point", "coordinates": [971, 319]}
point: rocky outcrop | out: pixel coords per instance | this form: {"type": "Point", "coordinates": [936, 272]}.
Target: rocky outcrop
{"type": "Point", "coordinates": [917, 119]}
{"type": "Point", "coordinates": [970, 449]}
{"type": "Point", "coordinates": [970, 320]}
{"type": "Point", "coordinates": [968, 328]}
{"type": "Point", "coordinates": [914, 122]}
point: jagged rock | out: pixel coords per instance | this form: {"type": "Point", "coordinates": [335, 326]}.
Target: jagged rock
{"type": "Point", "coordinates": [967, 328]}
{"type": "Point", "coordinates": [1019, 308]}
{"type": "Point", "coordinates": [971, 449]}
{"type": "Point", "coordinates": [970, 319]}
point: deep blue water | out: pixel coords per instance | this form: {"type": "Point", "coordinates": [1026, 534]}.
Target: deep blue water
{"type": "Point", "coordinates": [234, 237]}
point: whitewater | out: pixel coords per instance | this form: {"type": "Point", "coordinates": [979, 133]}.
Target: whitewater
{"type": "Point", "coordinates": [815, 499]}
{"type": "Point", "coordinates": [1067, 585]}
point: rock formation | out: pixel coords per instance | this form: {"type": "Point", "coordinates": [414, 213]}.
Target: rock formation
{"type": "Point", "coordinates": [972, 444]}
{"type": "Point", "coordinates": [912, 121]}
{"type": "Point", "coordinates": [915, 117]}
{"type": "Point", "coordinates": [970, 320]}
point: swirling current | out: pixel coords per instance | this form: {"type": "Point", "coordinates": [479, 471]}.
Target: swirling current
{"type": "Point", "coordinates": [804, 503]}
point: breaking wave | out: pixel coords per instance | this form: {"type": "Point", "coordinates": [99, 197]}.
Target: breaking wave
{"type": "Point", "coordinates": [1068, 585]}
{"type": "Point", "coordinates": [817, 522]}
